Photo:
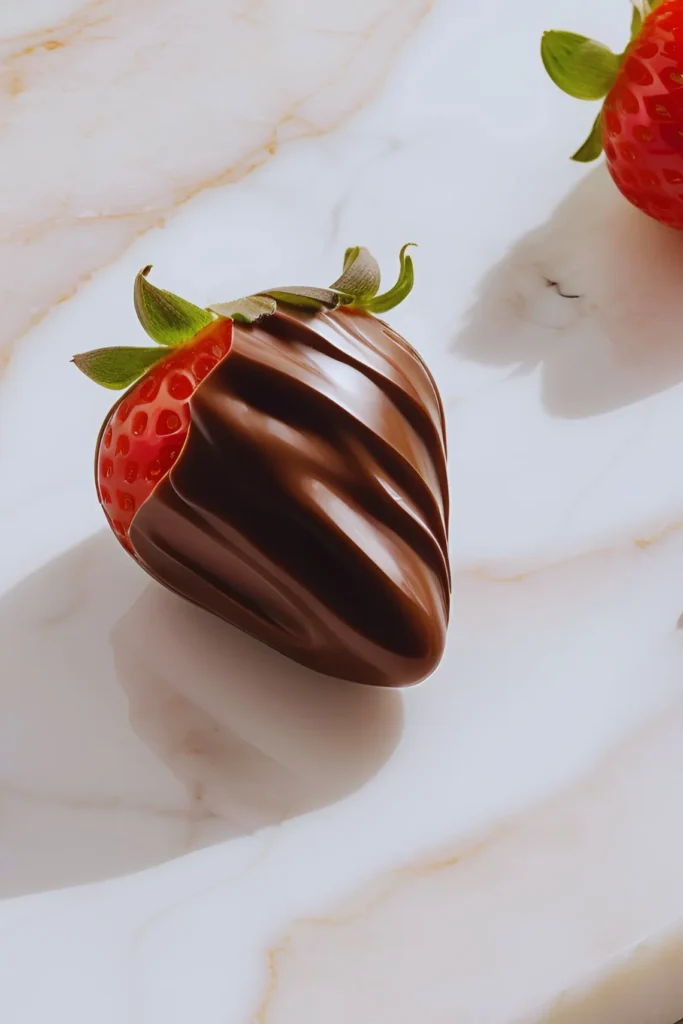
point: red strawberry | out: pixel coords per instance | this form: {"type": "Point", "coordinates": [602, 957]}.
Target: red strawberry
{"type": "Point", "coordinates": [144, 433]}
{"type": "Point", "coordinates": [287, 475]}
{"type": "Point", "coordinates": [640, 125]}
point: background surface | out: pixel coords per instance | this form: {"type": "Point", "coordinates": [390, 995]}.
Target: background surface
{"type": "Point", "coordinates": [192, 828]}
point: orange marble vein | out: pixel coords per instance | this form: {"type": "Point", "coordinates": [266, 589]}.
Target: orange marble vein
{"type": "Point", "coordinates": [368, 901]}
{"type": "Point", "coordinates": [642, 543]}
{"type": "Point", "coordinates": [44, 39]}
{"type": "Point", "coordinates": [563, 835]}
{"type": "Point", "coordinates": [61, 58]}
{"type": "Point", "coordinates": [272, 957]}
{"type": "Point", "coordinates": [86, 803]}
{"type": "Point", "coordinates": [663, 534]}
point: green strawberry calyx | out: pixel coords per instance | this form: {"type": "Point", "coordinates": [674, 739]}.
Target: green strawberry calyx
{"type": "Point", "coordinates": [171, 321]}
{"type": "Point", "coordinates": [587, 70]}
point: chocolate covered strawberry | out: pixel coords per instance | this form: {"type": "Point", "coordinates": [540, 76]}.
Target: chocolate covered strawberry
{"type": "Point", "coordinates": [640, 124]}
{"type": "Point", "coordinates": [281, 461]}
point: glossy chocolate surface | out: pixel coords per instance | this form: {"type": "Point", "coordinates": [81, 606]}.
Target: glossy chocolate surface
{"type": "Point", "coordinates": [309, 505]}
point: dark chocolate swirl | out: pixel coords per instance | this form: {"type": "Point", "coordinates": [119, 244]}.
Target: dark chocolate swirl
{"type": "Point", "coordinates": [309, 505]}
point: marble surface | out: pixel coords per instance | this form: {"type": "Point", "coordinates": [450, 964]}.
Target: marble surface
{"type": "Point", "coordinates": [192, 828]}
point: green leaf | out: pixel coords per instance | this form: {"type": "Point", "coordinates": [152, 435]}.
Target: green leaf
{"type": "Point", "coordinates": [592, 147]}
{"type": "Point", "coordinates": [117, 368]}
{"type": "Point", "coordinates": [361, 275]}
{"type": "Point", "coordinates": [402, 288]}
{"type": "Point", "coordinates": [313, 299]}
{"type": "Point", "coordinates": [247, 310]}
{"type": "Point", "coordinates": [636, 22]}
{"type": "Point", "coordinates": [579, 66]}
{"type": "Point", "coordinates": [168, 319]}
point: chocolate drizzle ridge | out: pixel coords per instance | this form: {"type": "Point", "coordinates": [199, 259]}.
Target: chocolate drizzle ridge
{"type": "Point", "coordinates": [309, 505]}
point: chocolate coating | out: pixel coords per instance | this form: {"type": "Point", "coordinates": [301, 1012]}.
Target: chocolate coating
{"type": "Point", "coordinates": [309, 505]}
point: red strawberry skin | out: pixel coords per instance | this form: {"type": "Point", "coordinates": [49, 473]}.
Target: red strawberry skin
{"type": "Point", "coordinates": [144, 433]}
{"type": "Point", "coordinates": [642, 122]}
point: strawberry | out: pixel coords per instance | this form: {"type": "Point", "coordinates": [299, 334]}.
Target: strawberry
{"type": "Point", "coordinates": [144, 433]}
{"type": "Point", "coordinates": [640, 125]}
{"type": "Point", "coordinates": [280, 461]}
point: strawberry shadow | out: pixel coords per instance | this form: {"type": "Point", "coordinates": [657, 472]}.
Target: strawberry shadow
{"type": "Point", "coordinates": [135, 728]}
{"type": "Point", "coordinates": [593, 299]}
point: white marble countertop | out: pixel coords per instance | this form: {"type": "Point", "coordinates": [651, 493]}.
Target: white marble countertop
{"type": "Point", "coordinates": [191, 827]}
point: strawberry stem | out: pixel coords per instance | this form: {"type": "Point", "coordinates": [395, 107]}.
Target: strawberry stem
{"type": "Point", "coordinates": [636, 20]}
{"type": "Point", "coordinates": [168, 319]}
{"type": "Point", "coordinates": [117, 368]}
{"type": "Point", "coordinates": [579, 66]}
{"type": "Point", "coordinates": [171, 321]}
{"type": "Point", "coordinates": [402, 288]}
{"type": "Point", "coordinates": [361, 276]}
{"type": "Point", "coordinates": [592, 147]}
{"type": "Point", "coordinates": [356, 288]}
